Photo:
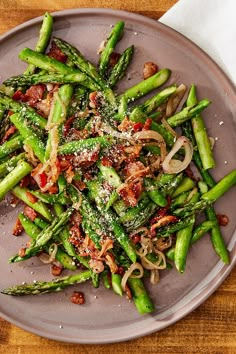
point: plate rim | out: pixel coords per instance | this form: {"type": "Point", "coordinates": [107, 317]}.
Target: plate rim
{"type": "Point", "coordinates": [222, 270]}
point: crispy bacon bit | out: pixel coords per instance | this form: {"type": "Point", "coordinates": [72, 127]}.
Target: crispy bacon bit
{"type": "Point", "coordinates": [76, 218]}
{"type": "Point", "coordinates": [120, 270]}
{"type": "Point", "coordinates": [109, 260]}
{"type": "Point", "coordinates": [147, 124]}
{"type": "Point", "coordinates": [136, 239]}
{"type": "Point", "coordinates": [223, 220]}
{"type": "Point", "coordinates": [56, 269]}
{"type": "Point", "coordinates": [93, 99]}
{"type": "Point", "coordinates": [125, 125]}
{"type": "Point", "coordinates": [31, 198]}
{"type": "Point", "coordinates": [53, 189]}
{"type": "Point", "coordinates": [19, 96]}
{"type": "Point", "coordinates": [25, 181]}
{"type": "Point", "coordinates": [75, 134]}
{"type": "Point", "coordinates": [21, 252]}
{"type": "Point", "coordinates": [77, 298]}
{"type": "Point", "coordinates": [105, 161]}
{"type": "Point", "coordinates": [80, 185]}
{"type": "Point", "coordinates": [30, 213]}
{"type": "Point", "coordinates": [76, 237]}
{"type": "Point", "coordinates": [133, 151]}
{"type": "Point", "coordinates": [69, 174]}
{"type": "Point", "coordinates": [114, 57]}
{"type": "Point", "coordinates": [68, 125]}
{"type": "Point", "coordinates": [131, 192]}
{"type": "Point", "coordinates": [35, 94]}
{"type": "Point", "coordinates": [56, 53]}
{"type": "Point", "coordinates": [162, 222]}
{"type": "Point", "coordinates": [8, 133]}
{"type": "Point", "coordinates": [87, 158]}
{"type": "Point", "coordinates": [132, 168]}
{"type": "Point", "coordinates": [18, 228]}
{"type": "Point", "coordinates": [149, 69]}
{"type": "Point", "coordinates": [137, 127]}
{"type": "Point", "coordinates": [128, 291]}
{"type": "Point", "coordinates": [64, 164]}
{"type": "Point", "coordinates": [14, 201]}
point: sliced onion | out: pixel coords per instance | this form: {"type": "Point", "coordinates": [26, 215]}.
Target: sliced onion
{"type": "Point", "coordinates": [173, 166]}
{"type": "Point", "coordinates": [152, 135]}
{"type": "Point", "coordinates": [50, 257]}
{"type": "Point", "coordinates": [128, 273]}
{"type": "Point", "coordinates": [175, 99]}
{"type": "Point", "coordinates": [154, 276]}
{"type": "Point", "coordinates": [168, 127]}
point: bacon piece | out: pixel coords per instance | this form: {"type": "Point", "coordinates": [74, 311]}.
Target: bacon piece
{"type": "Point", "coordinates": [76, 237]}
{"type": "Point", "coordinates": [132, 168]}
{"type": "Point", "coordinates": [19, 96]}
{"type": "Point", "coordinates": [18, 228]}
{"type": "Point", "coordinates": [126, 125]}
{"type": "Point", "coordinates": [56, 270]}
{"type": "Point", "coordinates": [86, 158]}
{"type": "Point", "coordinates": [56, 53]}
{"type": "Point", "coordinates": [137, 127]}
{"type": "Point", "coordinates": [114, 57]}
{"type": "Point", "coordinates": [80, 185]}
{"type": "Point", "coordinates": [149, 69]}
{"type": "Point", "coordinates": [68, 125]}
{"type": "Point", "coordinates": [105, 161]}
{"type": "Point", "coordinates": [30, 213]}
{"type": "Point", "coordinates": [76, 218]}
{"type": "Point", "coordinates": [21, 252]}
{"type": "Point", "coordinates": [223, 220]}
{"type": "Point", "coordinates": [131, 192]}
{"type": "Point", "coordinates": [35, 94]}
{"type": "Point", "coordinates": [8, 133]}
{"type": "Point", "coordinates": [25, 181]}
{"type": "Point", "coordinates": [32, 199]}
{"type": "Point", "coordinates": [163, 222]}
{"type": "Point", "coordinates": [147, 124]}
{"type": "Point", "coordinates": [77, 298]}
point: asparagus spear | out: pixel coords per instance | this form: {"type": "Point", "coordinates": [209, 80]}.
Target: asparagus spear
{"type": "Point", "coordinates": [112, 40]}
{"type": "Point", "coordinates": [44, 38]}
{"type": "Point", "coordinates": [10, 146]}
{"type": "Point", "coordinates": [33, 231]}
{"type": "Point", "coordinates": [78, 59]}
{"type": "Point", "coordinates": [8, 165]}
{"type": "Point", "coordinates": [209, 197]}
{"type": "Point", "coordinates": [86, 144]}
{"type": "Point", "coordinates": [119, 69]}
{"type": "Point", "coordinates": [200, 133]}
{"type": "Point", "coordinates": [55, 285]}
{"type": "Point", "coordinates": [146, 86]}
{"type": "Point", "coordinates": [14, 177]}
{"type": "Point", "coordinates": [54, 78]}
{"type": "Point", "coordinates": [46, 234]}
{"type": "Point", "coordinates": [29, 136]}
{"type": "Point", "coordinates": [38, 206]}
{"type": "Point", "coordinates": [27, 111]}
{"type": "Point", "coordinates": [141, 298]}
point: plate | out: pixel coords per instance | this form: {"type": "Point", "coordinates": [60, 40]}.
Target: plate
{"type": "Point", "coordinates": [105, 317]}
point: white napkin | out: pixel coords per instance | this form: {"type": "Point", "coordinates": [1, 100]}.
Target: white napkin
{"type": "Point", "coordinates": [211, 24]}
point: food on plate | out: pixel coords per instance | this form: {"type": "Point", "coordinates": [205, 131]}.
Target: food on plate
{"type": "Point", "coordinates": [106, 179]}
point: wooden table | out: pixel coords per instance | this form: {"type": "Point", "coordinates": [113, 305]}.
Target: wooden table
{"type": "Point", "coordinates": [209, 329]}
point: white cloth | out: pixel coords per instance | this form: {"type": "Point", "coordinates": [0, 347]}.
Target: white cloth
{"type": "Point", "coordinates": [211, 24]}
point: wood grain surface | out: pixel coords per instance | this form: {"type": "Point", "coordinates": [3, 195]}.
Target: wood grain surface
{"type": "Point", "coordinates": [209, 329]}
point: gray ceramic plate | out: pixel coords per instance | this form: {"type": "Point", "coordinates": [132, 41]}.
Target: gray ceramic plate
{"type": "Point", "coordinates": [106, 317]}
